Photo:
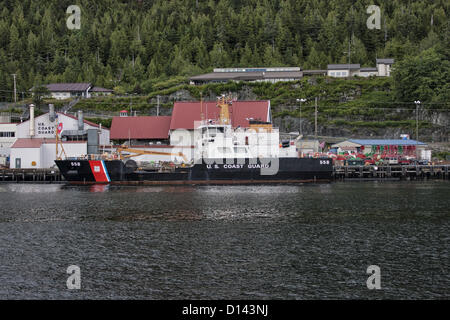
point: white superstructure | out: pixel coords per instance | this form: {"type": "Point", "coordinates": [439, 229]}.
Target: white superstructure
{"type": "Point", "coordinates": [217, 139]}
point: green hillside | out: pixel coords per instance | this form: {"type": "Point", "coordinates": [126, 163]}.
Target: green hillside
{"type": "Point", "coordinates": [133, 45]}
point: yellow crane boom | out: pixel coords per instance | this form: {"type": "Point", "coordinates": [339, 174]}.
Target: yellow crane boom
{"type": "Point", "coordinates": [138, 152]}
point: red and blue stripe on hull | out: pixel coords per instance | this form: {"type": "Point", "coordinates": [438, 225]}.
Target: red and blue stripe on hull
{"type": "Point", "coordinates": [99, 171]}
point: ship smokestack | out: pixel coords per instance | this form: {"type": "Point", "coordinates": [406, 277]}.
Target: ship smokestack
{"type": "Point", "coordinates": [31, 120]}
{"type": "Point", "coordinates": [51, 112]}
{"type": "Point", "coordinates": [80, 120]}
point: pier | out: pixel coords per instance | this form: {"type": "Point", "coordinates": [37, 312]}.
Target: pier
{"type": "Point", "coordinates": [406, 172]}
{"type": "Point", "coordinates": [31, 175]}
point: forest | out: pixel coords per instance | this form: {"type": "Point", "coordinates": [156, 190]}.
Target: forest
{"type": "Point", "coordinates": [132, 45]}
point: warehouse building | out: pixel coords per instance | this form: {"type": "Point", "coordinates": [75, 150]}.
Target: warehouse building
{"type": "Point", "coordinates": [142, 130]}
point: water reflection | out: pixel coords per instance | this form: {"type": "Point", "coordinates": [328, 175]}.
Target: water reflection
{"type": "Point", "coordinates": [99, 188]}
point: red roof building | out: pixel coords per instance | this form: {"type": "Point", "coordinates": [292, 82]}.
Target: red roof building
{"type": "Point", "coordinates": [140, 128]}
{"type": "Point", "coordinates": [184, 114]}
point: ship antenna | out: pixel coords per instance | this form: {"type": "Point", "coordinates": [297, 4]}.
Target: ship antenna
{"type": "Point", "coordinates": [224, 105]}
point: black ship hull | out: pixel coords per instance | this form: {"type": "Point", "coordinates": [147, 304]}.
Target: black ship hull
{"type": "Point", "coordinates": [210, 171]}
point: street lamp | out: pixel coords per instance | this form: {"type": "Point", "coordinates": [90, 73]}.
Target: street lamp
{"type": "Point", "coordinates": [300, 115]}
{"type": "Point", "coordinates": [417, 102]}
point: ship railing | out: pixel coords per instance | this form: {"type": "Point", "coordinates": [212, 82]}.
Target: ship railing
{"type": "Point", "coordinates": [95, 157]}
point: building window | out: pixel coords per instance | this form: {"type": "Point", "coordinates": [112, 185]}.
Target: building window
{"type": "Point", "coordinates": [7, 134]}
{"type": "Point", "coordinates": [332, 74]}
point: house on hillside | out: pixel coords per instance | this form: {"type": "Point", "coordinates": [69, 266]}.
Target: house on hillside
{"type": "Point", "coordinates": [368, 72]}
{"type": "Point", "coordinates": [62, 91]}
{"type": "Point", "coordinates": [98, 91]}
{"type": "Point", "coordinates": [384, 67]}
{"type": "Point", "coordinates": [343, 70]}
{"type": "Point", "coordinates": [222, 75]}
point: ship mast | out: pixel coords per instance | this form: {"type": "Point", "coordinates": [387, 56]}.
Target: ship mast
{"type": "Point", "coordinates": [224, 104]}
{"type": "Point", "coordinates": [58, 142]}
{"type": "Point", "coordinates": [202, 115]}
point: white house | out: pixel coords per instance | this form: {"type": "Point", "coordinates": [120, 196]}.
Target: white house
{"type": "Point", "coordinates": [261, 74]}
{"type": "Point", "coordinates": [343, 70]}
{"type": "Point", "coordinates": [98, 91]}
{"type": "Point", "coordinates": [384, 67]}
{"type": "Point", "coordinates": [368, 72]}
{"type": "Point", "coordinates": [62, 91]}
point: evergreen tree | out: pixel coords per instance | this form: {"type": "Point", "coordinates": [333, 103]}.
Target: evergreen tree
{"type": "Point", "coordinates": [125, 44]}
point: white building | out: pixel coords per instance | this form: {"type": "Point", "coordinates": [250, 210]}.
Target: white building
{"type": "Point", "coordinates": [368, 72]}
{"type": "Point", "coordinates": [63, 91]}
{"type": "Point", "coordinates": [343, 70]}
{"type": "Point", "coordinates": [27, 153]}
{"type": "Point", "coordinates": [259, 74]}
{"type": "Point", "coordinates": [35, 146]}
{"type": "Point", "coordinates": [45, 128]}
{"type": "Point", "coordinates": [384, 67]}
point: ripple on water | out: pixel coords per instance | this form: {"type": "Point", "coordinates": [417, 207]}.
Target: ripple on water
{"type": "Point", "coordinates": [236, 242]}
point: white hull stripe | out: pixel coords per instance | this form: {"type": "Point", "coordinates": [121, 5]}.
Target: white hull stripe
{"type": "Point", "coordinates": [105, 171]}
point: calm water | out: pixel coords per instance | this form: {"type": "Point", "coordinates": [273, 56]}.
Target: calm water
{"type": "Point", "coordinates": [310, 241]}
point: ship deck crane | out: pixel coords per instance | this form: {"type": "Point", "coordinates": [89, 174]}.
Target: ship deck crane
{"type": "Point", "coordinates": [138, 152]}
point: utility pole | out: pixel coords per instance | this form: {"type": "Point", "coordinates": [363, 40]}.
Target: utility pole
{"type": "Point", "coordinates": [349, 52]}
{"type": "Point", "coordinates": [300, 116]}
{"type": "Point", "coordinates": [417, 102]}
{"type": "Point", "coordinates": [315, 119]}
{"type": "Point", "coordinates": [385, 31]}
{"type": "Point", "coordinates": [131, 104]}
{"type": "Point", "coordinates": [157, 105]}
{"type": "Point", "coordinates": [15, 93]}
